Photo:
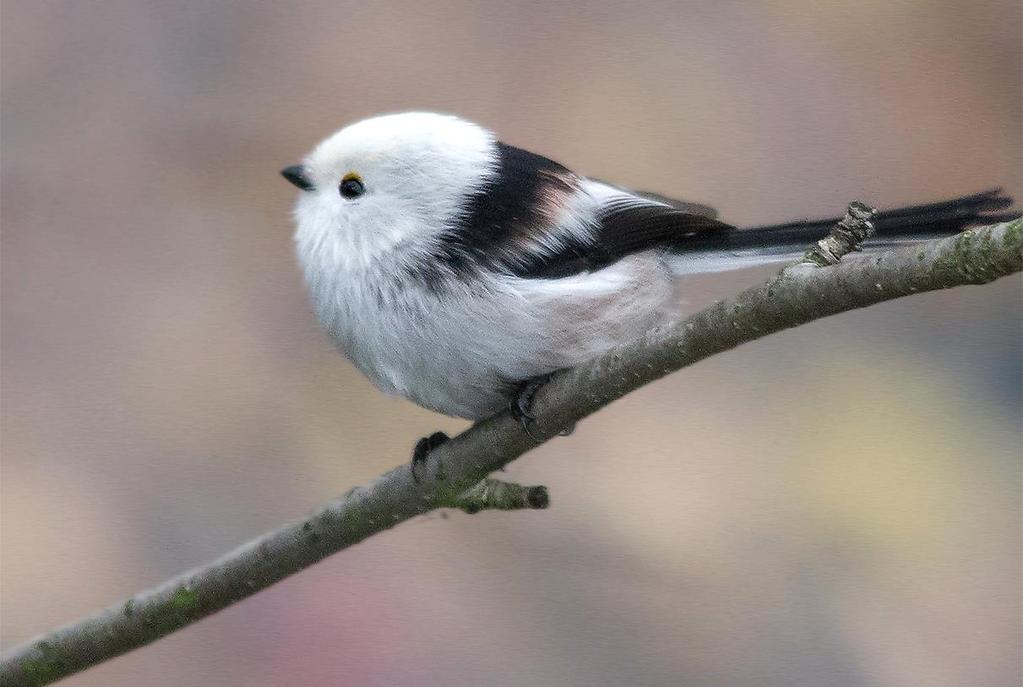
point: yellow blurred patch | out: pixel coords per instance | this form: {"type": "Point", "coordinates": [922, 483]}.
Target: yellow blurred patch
{"type": "Point", "coordinates": [891, 465]}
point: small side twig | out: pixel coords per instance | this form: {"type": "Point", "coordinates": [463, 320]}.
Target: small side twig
{"type": "Point", "coordinates": [848, 234]}
{"type": "Point", "coordinates": [493, 494]}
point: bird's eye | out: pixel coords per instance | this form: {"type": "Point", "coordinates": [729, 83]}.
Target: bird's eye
{"type": "Point", "coordinates": [351, 186]}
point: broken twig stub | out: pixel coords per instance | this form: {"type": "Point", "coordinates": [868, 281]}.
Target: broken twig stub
{"type": "Point", "coordinates": [848, 234]}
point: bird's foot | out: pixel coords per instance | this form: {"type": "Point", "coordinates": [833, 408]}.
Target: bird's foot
{"type": "Point", "coordinates": [423, 448]}
{"type": "Point", "coordinates": [522, 404]}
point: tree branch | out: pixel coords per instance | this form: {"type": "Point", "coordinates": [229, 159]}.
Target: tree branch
{"type": "Point", "coordinates": [800, 293]}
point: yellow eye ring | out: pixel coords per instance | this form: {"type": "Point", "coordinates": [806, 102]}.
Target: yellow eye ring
{"type": "Point", "coordinates": [351, 186]}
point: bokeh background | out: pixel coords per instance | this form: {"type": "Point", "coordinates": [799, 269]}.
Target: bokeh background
{"type": "Point", "coordinates": [839, 504]}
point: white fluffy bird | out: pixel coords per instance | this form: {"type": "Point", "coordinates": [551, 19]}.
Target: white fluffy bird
{"type": "Point", "coordinates": [452, 268]}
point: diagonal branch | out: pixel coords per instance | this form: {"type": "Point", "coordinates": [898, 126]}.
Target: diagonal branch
{"type": "Point", "coordinates": [799, 294]}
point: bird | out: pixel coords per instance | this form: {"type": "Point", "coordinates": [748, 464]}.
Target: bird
{"type": "Point", "coordinates": [460, 272]}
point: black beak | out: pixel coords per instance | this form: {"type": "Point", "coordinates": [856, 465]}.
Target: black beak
{"type": "Point", "coordinates": [296, 175]}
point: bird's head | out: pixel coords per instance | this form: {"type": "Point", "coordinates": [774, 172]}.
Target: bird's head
{"type": "Point", "coordinates": [391, 181]}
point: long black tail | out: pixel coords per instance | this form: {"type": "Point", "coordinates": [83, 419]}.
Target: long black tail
{"type": "Point", "coordinates": [746, 247]}
{"type": "Point", "coordinates": [914, 222]}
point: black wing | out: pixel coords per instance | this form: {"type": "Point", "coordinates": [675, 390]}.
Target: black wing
{"type": "Point", "coordinates": [502, 227]}
{"type": "Point", "coordinates": [510, 225]}
{"type": "Point", "coordinates": [631, 224]}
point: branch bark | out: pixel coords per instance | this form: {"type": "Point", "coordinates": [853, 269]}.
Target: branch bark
{"type": "Point", "coordinates": [453, 474]}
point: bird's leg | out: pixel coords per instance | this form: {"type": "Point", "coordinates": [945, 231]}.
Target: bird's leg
{"type": "Point", "coordinates": [423, 448]}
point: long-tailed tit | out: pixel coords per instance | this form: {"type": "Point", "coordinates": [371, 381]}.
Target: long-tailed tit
{"type": "Point", "coordinates": [451, 268]}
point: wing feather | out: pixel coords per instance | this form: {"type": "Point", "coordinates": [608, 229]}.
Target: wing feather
{"type": "Point", "coordinates": [628, 224]}
{"type": "Point", "coordinates": [524, 223]}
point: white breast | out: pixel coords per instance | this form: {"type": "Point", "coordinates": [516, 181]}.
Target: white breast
{"type": "Point", "coordinates": [461, 350]}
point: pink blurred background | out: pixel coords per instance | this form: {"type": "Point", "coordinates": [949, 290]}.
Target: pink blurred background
{"type": "Point", "coordinates": [838, 504]}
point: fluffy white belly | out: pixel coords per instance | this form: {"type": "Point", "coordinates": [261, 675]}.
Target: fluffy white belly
{"type": "Point", "coordinates": [462, 349]}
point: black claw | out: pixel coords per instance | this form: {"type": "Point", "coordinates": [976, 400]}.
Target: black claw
{"type": "Point", "coordinates": [522, 404]}
{"type": "Point", "coordinates": [423, 448]}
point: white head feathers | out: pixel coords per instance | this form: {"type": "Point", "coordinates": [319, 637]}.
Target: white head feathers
{"type": "Point", "coordinates": [417, 168]}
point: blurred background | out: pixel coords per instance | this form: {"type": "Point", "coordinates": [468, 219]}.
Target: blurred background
{"type": "Point", "coordinates": [838, 504]}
